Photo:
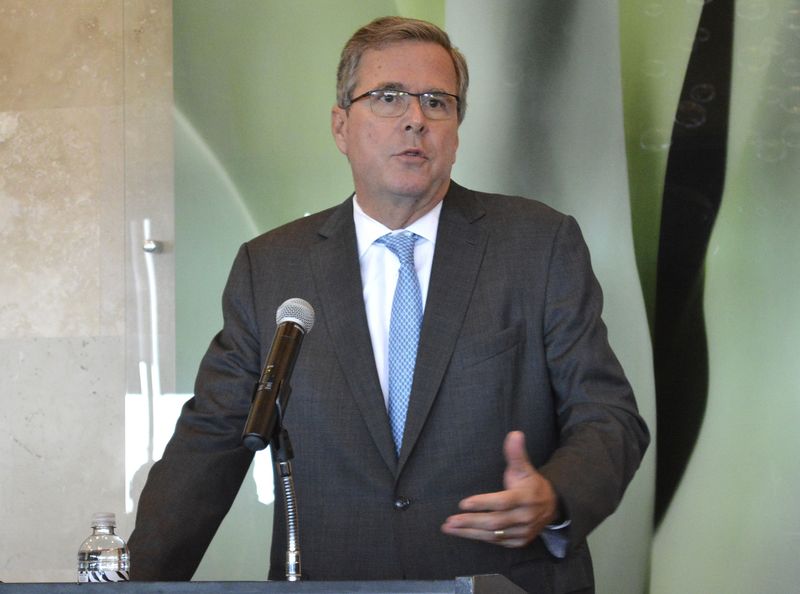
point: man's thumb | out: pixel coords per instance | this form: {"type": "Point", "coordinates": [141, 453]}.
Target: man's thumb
{"type": "Point", "coordinates": [517, 461]}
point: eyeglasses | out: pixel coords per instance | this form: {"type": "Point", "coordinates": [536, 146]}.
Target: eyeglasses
{"type": "Point", "coordinates": [387, 103]}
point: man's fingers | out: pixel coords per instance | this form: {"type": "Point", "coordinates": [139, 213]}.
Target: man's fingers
{"type": "Point", "coordinates": [488, 521]}
{"type": "Point", "coordinates": [512, 537]}
{"type": "Point", "coordinates": [499, 501]}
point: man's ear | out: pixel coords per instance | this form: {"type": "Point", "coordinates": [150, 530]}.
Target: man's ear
{"type": "Point", "coordinates": [339, 127]}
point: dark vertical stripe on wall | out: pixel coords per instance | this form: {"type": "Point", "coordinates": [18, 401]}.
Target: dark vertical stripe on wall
{"type": "Point", "coordinates": [693, 189]}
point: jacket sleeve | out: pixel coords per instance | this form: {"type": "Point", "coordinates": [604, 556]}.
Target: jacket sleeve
{"type": "Point", "coordinates": [602, 437]}
{"type": "Point", "coordinates": [189, 491]}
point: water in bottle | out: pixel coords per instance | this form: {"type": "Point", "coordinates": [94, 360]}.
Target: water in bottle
{"type": "Point", "coordinates": [103, 557]}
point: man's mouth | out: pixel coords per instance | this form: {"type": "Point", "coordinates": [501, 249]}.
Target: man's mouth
{"type": "Point", "coordinates": [412, 153]}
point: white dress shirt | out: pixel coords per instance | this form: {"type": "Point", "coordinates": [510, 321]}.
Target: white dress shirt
{"type": "Point", "coordinates": [379, 272]}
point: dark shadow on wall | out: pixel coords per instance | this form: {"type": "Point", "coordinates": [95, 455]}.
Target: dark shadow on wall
{"type": "Point", "coordinates": [693, 189]}
{"type": "Point", "coordinates": [534, 39]}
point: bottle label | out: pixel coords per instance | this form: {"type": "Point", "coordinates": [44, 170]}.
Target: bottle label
{"type": "Point", "coordinates": [102, 576]}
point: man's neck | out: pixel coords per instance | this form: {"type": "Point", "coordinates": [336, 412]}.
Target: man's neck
{"type": "Point", "coordinates": [398, 212]}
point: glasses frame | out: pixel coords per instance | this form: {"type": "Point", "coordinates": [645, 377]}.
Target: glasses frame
{"type": "Point", "coordinates": [400, 93]}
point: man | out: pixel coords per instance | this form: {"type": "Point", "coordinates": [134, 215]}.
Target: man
{"type": "Point", "coordinates": [515, 432]}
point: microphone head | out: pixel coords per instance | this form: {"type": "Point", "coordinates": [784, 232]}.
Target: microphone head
{"type": "Point", "coordinates": [298, 311]}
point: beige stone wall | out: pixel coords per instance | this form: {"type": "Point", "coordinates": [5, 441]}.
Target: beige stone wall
{"type": "Point", "coordinates": [85, 158]}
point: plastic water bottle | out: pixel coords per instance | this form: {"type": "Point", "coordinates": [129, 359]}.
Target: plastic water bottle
{"type": "Point", "coordinates": [103, 557]}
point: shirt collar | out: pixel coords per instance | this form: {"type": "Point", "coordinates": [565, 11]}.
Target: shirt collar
{"type": "Point", "coordinates": [368, 229]}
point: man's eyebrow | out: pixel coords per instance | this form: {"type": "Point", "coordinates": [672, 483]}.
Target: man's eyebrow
{"type": "Point", "coordinates": [398, 86]}
{"type": "Point", "coordinates": [391, 86]}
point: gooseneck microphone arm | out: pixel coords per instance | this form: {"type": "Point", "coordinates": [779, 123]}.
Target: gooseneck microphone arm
{"type": "Point", "coordinates": [283, 455]}
{"type": "Point", "coordinates": [264, 425]}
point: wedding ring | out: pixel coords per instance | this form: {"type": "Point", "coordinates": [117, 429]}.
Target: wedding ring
{"type": "Point", "coordinates": [499, 534]}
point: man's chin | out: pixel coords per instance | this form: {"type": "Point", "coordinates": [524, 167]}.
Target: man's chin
{"type": "Point", "coordinates": [416, 189]}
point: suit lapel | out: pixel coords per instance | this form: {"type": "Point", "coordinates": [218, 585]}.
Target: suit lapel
{"type": "Point", "coordinates": [337, 275]}
{"type": "Point", "coordinates": [460, 245]}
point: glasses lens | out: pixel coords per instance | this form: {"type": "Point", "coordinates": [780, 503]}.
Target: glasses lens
{"type": "Point", "coordinates": [388, 104]}
{"type": "Point", "coordinates": [438, 106]}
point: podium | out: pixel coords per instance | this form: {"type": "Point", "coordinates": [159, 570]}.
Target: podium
{"type": "Point", "coordinates": [478, 584]}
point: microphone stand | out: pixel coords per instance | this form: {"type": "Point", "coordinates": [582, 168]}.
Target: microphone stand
{"type": "Point", "coordinates": [282, 447]}
{"type": "Point", "coordinates": [284, 454]}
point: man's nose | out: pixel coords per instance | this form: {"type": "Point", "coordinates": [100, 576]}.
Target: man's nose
{"type": "Point", "coordinates": [415, 119]}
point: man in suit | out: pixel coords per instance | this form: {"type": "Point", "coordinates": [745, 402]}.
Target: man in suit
{"type": "Point", "coordinates": [519, 432]}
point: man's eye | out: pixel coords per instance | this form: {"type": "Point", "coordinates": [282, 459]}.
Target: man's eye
{"type": "Point", "coordinates": [436, 103]}
{"type": "Point", "coordinates": [387, 97]}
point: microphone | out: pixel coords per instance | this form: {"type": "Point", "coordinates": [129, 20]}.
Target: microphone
{"type": "Point", "coordinates": [295, 317]}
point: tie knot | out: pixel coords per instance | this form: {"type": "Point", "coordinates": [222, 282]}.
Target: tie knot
{"type": "Point", "coordinates": [401, 245]}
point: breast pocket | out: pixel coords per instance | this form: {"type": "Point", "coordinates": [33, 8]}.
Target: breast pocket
{"type": "Point", "coordinates": [477, 350]}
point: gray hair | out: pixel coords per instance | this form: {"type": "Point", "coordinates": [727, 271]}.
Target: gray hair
{"type": "Point", "coordinates": [380, 33]}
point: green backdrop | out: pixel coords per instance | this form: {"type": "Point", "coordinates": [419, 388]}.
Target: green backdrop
{"type": "Point", "coordinates": [571, 102]}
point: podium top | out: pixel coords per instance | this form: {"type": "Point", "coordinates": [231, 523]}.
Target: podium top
{"type": "Point", "coordinates": [479, 584]}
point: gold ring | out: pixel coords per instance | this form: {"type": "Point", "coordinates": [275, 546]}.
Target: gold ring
{"type": "Point", "coordinates": [499, 533]}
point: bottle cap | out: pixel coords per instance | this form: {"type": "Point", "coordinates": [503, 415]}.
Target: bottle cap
{"type": "Point", "coordinates": [104, 519]}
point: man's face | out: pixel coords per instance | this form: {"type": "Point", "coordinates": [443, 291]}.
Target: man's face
{"type": "Point", "coordinates": [404, 158]}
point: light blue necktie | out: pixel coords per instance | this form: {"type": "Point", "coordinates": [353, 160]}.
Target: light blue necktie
{"type": "Point", "coordinates": [403, 331]}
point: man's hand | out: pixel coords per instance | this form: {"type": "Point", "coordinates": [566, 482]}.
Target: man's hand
{"type": "Point", "coordinates": [515, 516]}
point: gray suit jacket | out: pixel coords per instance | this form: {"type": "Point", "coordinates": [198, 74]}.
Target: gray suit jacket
{"type": "Point", "coordinates": [511, 339]}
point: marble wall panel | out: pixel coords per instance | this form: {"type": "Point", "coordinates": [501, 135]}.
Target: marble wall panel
{"type": "Point", "coordinates": [60, 456]}
{"type": "Point", "coordinates": [149, 205]}
{"type": "Point", "coordinates": [60, 54]}
{"type": "Point", "coordinates": [148, 52]}
{"type": "Point", "coordinates": [149, 191]}
{"type": "Point", "coordinates": [85, 86]}
{"type": "Point", "coordinates": [60, 220]}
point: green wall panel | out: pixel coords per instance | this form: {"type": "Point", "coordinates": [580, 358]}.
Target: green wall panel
{"type": "Point", "coordinates": [254, 83]}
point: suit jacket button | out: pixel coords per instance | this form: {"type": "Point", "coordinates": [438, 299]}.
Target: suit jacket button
{"type": "Point", "coordinates": [402, 503]}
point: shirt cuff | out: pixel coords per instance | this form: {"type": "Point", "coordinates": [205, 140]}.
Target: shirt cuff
{"type": "Point", "coordinates": [556, 539]}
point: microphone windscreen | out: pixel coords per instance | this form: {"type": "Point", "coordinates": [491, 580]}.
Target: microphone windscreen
{"type": "Point", "coordinates": [298, 311]}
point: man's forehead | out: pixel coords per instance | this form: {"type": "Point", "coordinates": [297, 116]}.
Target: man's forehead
{"type": "Point", "coordinates": [385, 63]}
{"type": "Point", "coordinates": [404, 46]}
